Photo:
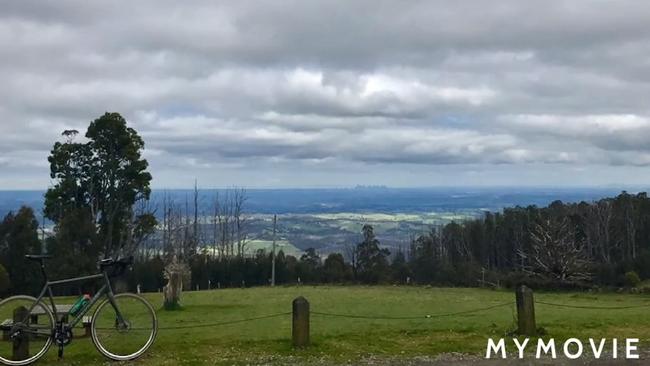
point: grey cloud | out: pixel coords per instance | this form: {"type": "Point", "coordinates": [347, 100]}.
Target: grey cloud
{"type": "Point", "coordinates": [374, 85]}
{"type": "Point", "coordinates": [608, 132]}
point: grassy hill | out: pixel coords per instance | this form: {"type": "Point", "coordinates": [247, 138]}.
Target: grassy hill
{"type": "Point", "coordinates": [371, 336]}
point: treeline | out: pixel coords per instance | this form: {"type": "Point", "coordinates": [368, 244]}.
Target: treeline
{"type": "Point", "coordinates": [561, 245]}
{"type": "Point", "coordinates": [603, 243]}
{"type": "Point", "coordinates": [371, 265]}
{"type": "Point", "coordinates": [575, 245]}
{"type": "Point", "coordinates": [213, 272]}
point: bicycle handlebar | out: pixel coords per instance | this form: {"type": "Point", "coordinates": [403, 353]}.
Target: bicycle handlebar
{"type": "Point", "coordinates": [120, 265]}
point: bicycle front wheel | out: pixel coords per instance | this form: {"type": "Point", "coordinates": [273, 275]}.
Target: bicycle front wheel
{"type": "Point", "coordinates": [125, 328]}
{"type": "Point", "coordinates": [26, 335]}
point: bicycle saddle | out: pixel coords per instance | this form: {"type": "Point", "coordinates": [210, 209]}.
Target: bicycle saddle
{"type": "Point", "coordinates": [38, 257]}
{"type": "Point", "coordinates": [107, 262]}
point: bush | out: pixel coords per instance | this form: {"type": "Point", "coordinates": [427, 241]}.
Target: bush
{"type": "Point", "coordinates": [642, 264]}
{"type": "Point", "coordinates": [5, 283]}
{"type": "Point", "coordinates": [632, 279]}
{"type": "Point", "coordinates": [607, 275]}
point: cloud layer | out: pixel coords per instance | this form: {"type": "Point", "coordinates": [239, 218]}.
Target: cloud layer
{"type": "Point", "coordinates": [293, 93]}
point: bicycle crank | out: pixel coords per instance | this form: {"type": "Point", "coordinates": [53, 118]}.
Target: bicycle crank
{"type": "Point", "coordinates": [62, 337]}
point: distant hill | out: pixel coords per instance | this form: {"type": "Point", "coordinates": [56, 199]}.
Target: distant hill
{"type": "Point", "coordinates": [331, 219]}
{"type": "Point", "coordinates": [376, 199]}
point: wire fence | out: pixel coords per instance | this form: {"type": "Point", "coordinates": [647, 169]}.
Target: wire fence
{"type": "Point", "coordinates": [204, 325]}
{"type": "Point", "coordinates": [427, 316]}
{"type": "Point", "coordinates": [320, 313]}
{"type": "Point", "coordinates": [592, 307]}
{"type": "Point", "coordinates": [228, 322]}
{"type": "Point", "coordinates": [524, 305]}
{"type": "Point", "coordinates": [390, 317]}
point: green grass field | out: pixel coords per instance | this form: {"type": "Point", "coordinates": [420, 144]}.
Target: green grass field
{"type": "Point", "coordinates": [346, 340]}
{"type": "Point", "coordinates": [252, 246]}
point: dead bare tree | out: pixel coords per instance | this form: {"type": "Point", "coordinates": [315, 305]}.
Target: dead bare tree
{"type": "Point", "coordinates": [351, 254]}
{"type": "Point", "coordinates": [598, 224]}
{"type": "Point", "coordinates": [177, 252]}
{"type": "Point", "coordinates": [556, 254]}
{"type": "Point", "coordinates": [629, 225]}
{"type": "Point", "coordinates": [224, 225]}
{"type": "Point", "coordinates": [176, 274]}
{"type": "Point", "coordinates": [239, 219]}
{"type": "Point", "coordinates": [177, 239]}
{"type": "Point", "coordinates": [229, 223]}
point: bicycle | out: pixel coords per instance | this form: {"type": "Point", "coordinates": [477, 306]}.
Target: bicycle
{"type": "Point", "coordinates": [122, 327]}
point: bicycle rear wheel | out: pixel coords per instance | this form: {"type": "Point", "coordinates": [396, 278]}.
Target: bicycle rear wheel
{"type": "Point", "coordinates": [25, 336]}
{"type": "Point", "coordinates": [129, 339]}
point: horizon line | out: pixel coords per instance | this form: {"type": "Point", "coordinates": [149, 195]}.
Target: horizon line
{"type": "Point", "coordinates": [380, 187]}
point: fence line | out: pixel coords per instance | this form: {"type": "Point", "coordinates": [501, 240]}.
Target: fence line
{"type": "Point", "coordinates": [592, 307]}
{"type": "Point", "coordinates": [207, 325]}
{"type": "Point", "coordinates": [524, 303]}
{"type": "Point", "coordinates": [326, 314]}
{"type": "Point", "coordinates": [428, 316]}
{"type": "Point", "coordinates": [227, 322]}
{"type": "Point", "coordinates": [386, 317]}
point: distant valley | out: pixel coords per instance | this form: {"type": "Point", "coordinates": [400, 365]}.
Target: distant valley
{"type": "Point", "coordinates": [331, 219]}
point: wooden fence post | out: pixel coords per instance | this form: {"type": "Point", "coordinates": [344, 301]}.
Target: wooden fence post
{"type": "Point", "coordinates": [300, 329]}
{"type": "Point", "coordinates": [21, 343]}
{"type": "Point", "coordinates": [87, 322]}
{"type": "Point", "coordinates": [525, 311]}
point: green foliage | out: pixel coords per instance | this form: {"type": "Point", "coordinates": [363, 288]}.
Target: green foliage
{"type": "Point", "coordinates": [632, 279]}
{"type": "Point", "coordinates": [400, 269]}
{"type": "Point", "coordinates": [372, 261]}
{"type": "Point", "coordinates": [74, 246]}
{"type": "Point", "coordinates": [563, 245]}
{"type": "Point", "coordinates": [148, 274]}
{"type": "Point", "coordinates": [97, 185]}
{"type": "Point", "coordinates": [5, 282]}
{"type": "Point", "coordinates": [309, 267]}
{"type": "Point", "coordinates": [642, 263]}
{"type": "Point", "coordinates": [335, 269]}
{"type": "Point", "coordinates": [285, 268]}
{"type": "Point", "coordinates": [18, 237]}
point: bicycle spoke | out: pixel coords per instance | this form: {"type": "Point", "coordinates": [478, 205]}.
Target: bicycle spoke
{"type": "Point", "coordinates": [26, 330]}
{"type": "Point", "coordinates": [124, 341]}
{"type": "Point", "coordinates": [44, 332]}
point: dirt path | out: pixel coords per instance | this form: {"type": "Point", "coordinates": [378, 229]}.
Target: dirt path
{"type": "Point", "coordinates": [459, 359]}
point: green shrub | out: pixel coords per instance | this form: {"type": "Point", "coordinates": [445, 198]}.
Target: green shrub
{"type": "Point", "coordinates": [632, 279]}
{"type": "Point", "coordinates": [5, 283]}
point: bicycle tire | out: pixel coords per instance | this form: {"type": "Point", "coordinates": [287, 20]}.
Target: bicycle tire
{"type": "Point", "coordinates": [102, 348]}
{"type": "Point", "coordinates": [48, 342]}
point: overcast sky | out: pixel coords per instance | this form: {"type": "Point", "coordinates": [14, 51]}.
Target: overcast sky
{"type": "Point", "coordinates": [336, 93]}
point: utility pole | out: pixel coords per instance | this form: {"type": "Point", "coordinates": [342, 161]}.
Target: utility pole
{"type": "Point", "coordinates": [275, 219]}
{"type": "Point", "coordinates": [196, 212]}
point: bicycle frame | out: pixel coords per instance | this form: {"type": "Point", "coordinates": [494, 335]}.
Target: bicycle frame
{"type": "Point", "coordinates": [106, 289]}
